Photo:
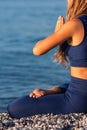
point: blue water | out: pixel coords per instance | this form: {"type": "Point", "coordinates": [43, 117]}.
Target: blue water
{"type": "Point", "coordinates": [22, 24]}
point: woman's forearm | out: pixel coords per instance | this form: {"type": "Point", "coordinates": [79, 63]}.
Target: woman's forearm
{"type": "Point", "coordinates": [53, 90]}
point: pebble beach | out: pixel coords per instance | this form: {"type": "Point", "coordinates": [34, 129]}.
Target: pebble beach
{"type": "Point", "coordinates": [44, 122]}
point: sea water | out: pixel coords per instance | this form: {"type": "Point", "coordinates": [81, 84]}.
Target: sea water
{"type": "Point", "coordinates": [22, 24]}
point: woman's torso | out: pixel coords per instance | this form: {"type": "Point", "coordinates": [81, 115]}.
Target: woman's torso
{"type": "Point", "coordinates": [79, 72]}
{"type": "Point", "coordinates": [77, 50]}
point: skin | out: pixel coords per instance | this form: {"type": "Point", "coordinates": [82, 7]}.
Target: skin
{"type": "Point", "coordinates": [73, 32]}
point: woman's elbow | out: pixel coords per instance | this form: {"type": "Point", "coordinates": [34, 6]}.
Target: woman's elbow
{"type": "Point", "coordinates": [36, 52]}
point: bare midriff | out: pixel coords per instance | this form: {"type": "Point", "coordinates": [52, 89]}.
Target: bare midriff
{"type": "Point", "coordinates": [79, 72]}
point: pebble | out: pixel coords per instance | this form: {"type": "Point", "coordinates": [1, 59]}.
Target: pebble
{"type": "Point", "coordinates": [45, 122]}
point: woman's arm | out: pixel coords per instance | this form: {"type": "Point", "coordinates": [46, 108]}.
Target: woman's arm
{"type": "Point", "coordinates": [37, 93]}
{"type": "Point", "coordinates": [55, 39]}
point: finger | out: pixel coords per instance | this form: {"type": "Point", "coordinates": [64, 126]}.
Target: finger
{"type": "Point", "coordinates": [63, 20]}
{"type": "Point", "coordinates": [38, 96]}
{"type": "Point", "coordinates": [60, 20]}
{"type": "Point", "coordinates": [34, 96]}
{"type": "Point", "coordinates": [59, 17]}
{"type": "Point", "coordinates": [31, 94]}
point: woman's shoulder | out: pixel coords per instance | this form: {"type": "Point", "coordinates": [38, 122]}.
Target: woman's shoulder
{"type": "Point", "coordinates": [75, 24]}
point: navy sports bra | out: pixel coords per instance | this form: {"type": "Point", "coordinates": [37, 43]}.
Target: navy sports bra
{"type": "Point", "coordinates": [78, 54]}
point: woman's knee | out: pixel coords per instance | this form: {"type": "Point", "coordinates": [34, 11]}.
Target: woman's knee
{"type": "Point", "coordinates": [11, 110]}
{"type": "Point", "coordinates": [19, 107]}
{"type": "Point", "coordinates": [15, 107]}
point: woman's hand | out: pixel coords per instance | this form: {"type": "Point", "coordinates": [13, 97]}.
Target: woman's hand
{"type": "Point", "coordinates": [38, 93]}
{"type": "Point", "coordinates": [59, 23]}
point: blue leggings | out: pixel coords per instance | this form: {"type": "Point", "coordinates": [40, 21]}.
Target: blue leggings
{"type": "Point", "coordinates": [73, 100]}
